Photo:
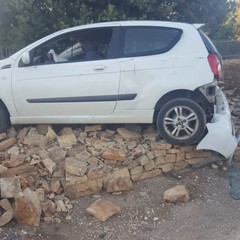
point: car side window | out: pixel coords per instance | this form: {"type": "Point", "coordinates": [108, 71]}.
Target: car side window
{"type": "Point", "coordinates": [82, 45]}
{"type": "Point", "coordinates": [141, 41]}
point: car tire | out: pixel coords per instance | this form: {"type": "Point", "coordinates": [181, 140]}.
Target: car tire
{"type": "Point", "coordinates": [4, 119]}
{"type": "Point", "coordinates": [181, 121]}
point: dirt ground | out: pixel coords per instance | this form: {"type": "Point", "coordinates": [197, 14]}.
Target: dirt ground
{"type": "Point", "coordinates": [211, 212]}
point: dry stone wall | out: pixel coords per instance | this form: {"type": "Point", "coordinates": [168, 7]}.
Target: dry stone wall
{"type": "Point", "coordinates": [41, 169]}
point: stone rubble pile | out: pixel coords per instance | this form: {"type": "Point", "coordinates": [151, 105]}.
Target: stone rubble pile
{"type": "Point", "coordinates": [42, 170]}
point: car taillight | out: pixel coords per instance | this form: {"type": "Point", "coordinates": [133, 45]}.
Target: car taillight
{"type": "Point", "coordinates": [215, 65]}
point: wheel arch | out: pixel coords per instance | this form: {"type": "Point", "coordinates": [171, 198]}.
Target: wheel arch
{"type": "Point", "coordinates": [3, 105]}
{"type": "Point", "coordinates": [195, 95]}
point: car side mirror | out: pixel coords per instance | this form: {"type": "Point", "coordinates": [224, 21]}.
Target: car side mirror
{"type": "Point", "coordinates": [26, 58]}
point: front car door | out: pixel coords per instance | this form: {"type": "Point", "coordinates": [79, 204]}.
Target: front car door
{"type": "Point", "coordinates": [74, 74]}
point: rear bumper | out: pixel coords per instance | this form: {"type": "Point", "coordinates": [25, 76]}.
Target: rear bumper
{"type": "Point", "coordinates": [221, 134]}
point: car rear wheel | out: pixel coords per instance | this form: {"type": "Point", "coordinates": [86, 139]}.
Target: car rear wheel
{"type": "Point", "coordinates": [181, 121]}
{"type": "Point", "coordinates": [4, 119]}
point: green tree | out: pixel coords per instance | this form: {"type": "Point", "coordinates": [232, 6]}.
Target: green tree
{"type": "Point", "coordinates": [24, 21]}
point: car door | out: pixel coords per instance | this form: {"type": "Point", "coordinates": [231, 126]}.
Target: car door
{"type": "Point", "coordinates": [68, 81]}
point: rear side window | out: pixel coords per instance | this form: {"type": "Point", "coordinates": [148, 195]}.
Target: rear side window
{"type": "Point", "coordinates": [141, 41]}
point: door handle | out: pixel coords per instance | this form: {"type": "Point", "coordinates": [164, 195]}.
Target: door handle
{"type": "Point", "coordinates": [99, 68]}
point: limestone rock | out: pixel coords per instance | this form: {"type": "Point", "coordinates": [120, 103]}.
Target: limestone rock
{"type": "Point", "coordinates": [9, 186]}
{"type": "Point", "coordinates": [27, 208]}
{"type": "Point", "coordinates": [75, 167]}
{"type": "Point", "coordinates": [149, 165]}
{"type": "Point", "coordinates": [19, 170]}
{"type": "Point", "coordinates": [93, 128]}
{"type": "Point", "coordinates": [75, 190]}
{"type": "Point", "coordinates": [166, 167]}
{"type": "Point", "coordinates": [103, 209]}
{"type": "Point", "coordinates": [145, 175]}
{"type": "Point", "coordinates": [48, 208]}
{"type": "Point", "coordinates": [119, 180]}
{"type": "Point", "coordinates": [42, 129]}
{"type": "Point", "coordinates": [136, 170]}
{"type": "Point", "coordinates": [2, 169]}
{"type": "Point", "coordinates": [67, 140]}
{"type": "Point", "coordinates": [51, 133]}
{"type": "Point", "coordinates": [128, 134]}
{"type": "Point", "coordinates": [142, 160]}
{"type": "Point", "coordinates": [178, 193]}
{"type": "Point", "coordinates": [8, 214]}
{"type": "Point", "coordinates": [60, 206]}
{"type": "Point", "coordinates": [36, 140]}
{"type": "Point", "coordinates": [16, 161]}
{"type": "Point", "coordinates": [7, 143]}
{"type": "Point", "coordinates": [114, 155]}
{"type": "Point", "coordinates": [49, 164]}
{"type": "Point", "coordinates": [160, 146]}
{"type": "Point", "coordinates": [57, 154]}
{"type": "Point", "coordinates": [96, 172]}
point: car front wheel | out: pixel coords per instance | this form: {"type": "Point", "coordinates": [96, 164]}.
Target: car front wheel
{"type": "Point", "coordinates": [181, 121]}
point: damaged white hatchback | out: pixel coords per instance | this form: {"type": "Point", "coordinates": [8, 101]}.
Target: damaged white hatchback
{"type": "Point", "coordinates": [122, 72]}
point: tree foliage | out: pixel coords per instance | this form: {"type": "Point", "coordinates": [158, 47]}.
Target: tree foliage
{"type": "Point", "coordinates": [24, 21]}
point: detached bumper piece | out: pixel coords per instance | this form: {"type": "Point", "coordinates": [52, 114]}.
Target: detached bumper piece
{"type": "Point", "coordinates": [221, 134]}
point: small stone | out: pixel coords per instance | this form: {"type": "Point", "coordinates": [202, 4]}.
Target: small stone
{"type": "Point", "coordinates": [103, 209]}
{"type": "Point", "coordinates": [114, 155]}
{"type": "Point", "coordinates": [214, 166]}
{"type": "Point", "coordinates": [5, 144]}
{"type": "Point", "coordinates": [149, 166]}
{"type": "Point", "coordinates": [36, 140]}
{"type": "Point", "coordinates": [27, 208]}
{"type": "Point", "coordinates": [57, 154]}
{"type": "Point", "coordinates": [8, 212]}
{"type": "Point", "coordinates": [166, 167]}
{"type": "Point", "coordinates": [22, 133]}
{"type": "Point", "coordinates": [93, 128]}
{"type": "Point", "coordinates": [128, 134]}
{"type": "Point", "coordinates": [160, 146]}
{"type": "Point", "coordinates": [83, 156]}
{"type": "Point", "coordinates": [178, 193]}
{"type": "Point", "coordinates": [49, 164]}
{"type": "Point", "coordinates": [13, 150]}
{"type": "Point", "coordinates": [60, 206]}
{"type": "Point", "coordinates": [42, 129]}
{"type": "Point", "coordinates": [143, 160]}
{"type": "Point", "coordinates": [51, 133]}
{"type": "Point", "coordinates": [119, 180]}
{"type": "Point", "coordinates": [22, 169]}
{"type": "Point", "coordinates": [136, 170]}
{"type": "Point", "coordinates": [170, 158]}
{"type": "Point", "coordinates": [9, 186]}
{"type": "Point", "coordinates": [2, 169]}
{"type": "Point", "coordinates": [48, 207]}
{"type": "Point", "coordinates": [75, 190]}
{"type": "Point", "coordinates": [146, 175]}
{"type": "Point", "coordinates": [66, 131]}
{"type": "Point", "coordinates": [55, 186]}
{"type": "Point", "coordinates": [67, 140]}
{"type": "Point", "coordinates": [75, 167]}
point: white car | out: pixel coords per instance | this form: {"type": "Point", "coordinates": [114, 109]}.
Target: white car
{"type": "Point", "coordinates": [122, 72]}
